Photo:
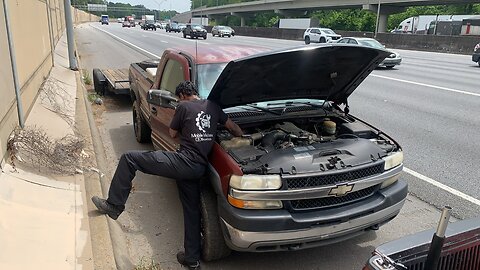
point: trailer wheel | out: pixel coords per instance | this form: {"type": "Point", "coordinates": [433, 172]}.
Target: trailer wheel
{"type": "Point", "coordinates": [99, 81]}
{"type": "Point", "coordinates": [140, 126]}
{"type": "Point", "coordinates": [213, 244]}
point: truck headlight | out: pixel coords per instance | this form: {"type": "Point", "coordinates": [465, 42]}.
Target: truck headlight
{"type": "Point", "coordinates": [393, 160]}
{"type": "Point", "coordinates": [390, 181]}
{"type": "Point", "coordinates": [254, 204]}
{"type": "Point", "coordinates": [256, 182]}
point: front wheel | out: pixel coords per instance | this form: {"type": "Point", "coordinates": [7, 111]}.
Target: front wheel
{"type": "Point", "coordinates": [140, 127]}
{"type": "Point", "coordinates": [323, 40]}
{"type": "Point", "coordinates": [389, 67]}
{"type": "Point", "coordinates": [213, 244]}
{"type": "Point", "coordinates": [307, 40]}
{"type": "Point", "coordinates": [205, 37]}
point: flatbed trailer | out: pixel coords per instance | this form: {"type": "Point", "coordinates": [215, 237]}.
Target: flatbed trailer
{"type": "Point", "coordinates": [111, 81]}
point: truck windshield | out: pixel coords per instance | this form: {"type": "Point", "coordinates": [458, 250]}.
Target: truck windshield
{"type": "Point", "coordinates": [207, 75]}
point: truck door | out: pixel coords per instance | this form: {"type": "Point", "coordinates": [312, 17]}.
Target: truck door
{"type": "Point", "coordinates": [175, 71]}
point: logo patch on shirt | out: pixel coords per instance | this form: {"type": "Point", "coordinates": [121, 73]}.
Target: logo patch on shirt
{"type": "Point", "coordinates": [203, 121]}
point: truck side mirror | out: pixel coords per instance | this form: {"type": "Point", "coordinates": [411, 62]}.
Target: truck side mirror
{"type": "Point", "coordinates": [162, 98]}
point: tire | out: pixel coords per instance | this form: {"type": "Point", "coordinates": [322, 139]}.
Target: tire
{"type": "Point", "coordinates": [307, 40]}
{"type": "Point", "coordinates": [323, 40]}
{"type": "Point", "coordinates": [389, 67]}
{"type": "Point", "coordinates": [184, 36]}
{"type": "Point", "coordinates": [99, 82]}
{"type": "Point", "coordinates": [205, 37]}
{"type": "Point", "coordinates": [213, 243]}
{"type": "Point", "coordinates": [478, 63]}
{"type": "Point", "coordinates": [140, 127]}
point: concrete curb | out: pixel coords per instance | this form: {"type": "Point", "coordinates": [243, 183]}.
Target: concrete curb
{"type": "Point", "coordinates": [103, 256]}
{"type": "Point", "coordinates": [113, 244]}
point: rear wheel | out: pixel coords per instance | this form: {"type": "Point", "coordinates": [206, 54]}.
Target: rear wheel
{"type": "Point", "coordinates": [99, 82]}
{"type": "Point", "coordinates": [478, 63]}
{"type": "Point", "coordinates": [142, 130]}
{"type": "Point", "coordinates": [213, 244]}
{"type": "Point", "coordinates": [307, 40]}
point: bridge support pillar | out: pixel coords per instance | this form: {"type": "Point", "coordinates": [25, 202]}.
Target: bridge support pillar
{"type": "Point", "coordinates": [242, 17]}
{"type": "Point", "coordinates": [385, 10]}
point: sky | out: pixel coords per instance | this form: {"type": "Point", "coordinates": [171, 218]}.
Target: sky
{"type": "Point", "coordinates": [178, 5]}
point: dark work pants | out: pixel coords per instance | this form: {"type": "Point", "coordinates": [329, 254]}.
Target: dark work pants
{"type": "Point", "coordinates": [172, 165]}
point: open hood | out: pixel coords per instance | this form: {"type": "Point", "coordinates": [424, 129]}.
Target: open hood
{"type": "Point", "coordinates": [328, 72]}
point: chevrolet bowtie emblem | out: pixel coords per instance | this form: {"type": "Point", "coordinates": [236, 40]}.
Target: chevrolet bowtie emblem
{"type": "Point", "coordinates": [341, 190]}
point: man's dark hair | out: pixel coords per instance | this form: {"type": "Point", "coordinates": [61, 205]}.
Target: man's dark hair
{"type": "Point", "coordinates": [187, 88]}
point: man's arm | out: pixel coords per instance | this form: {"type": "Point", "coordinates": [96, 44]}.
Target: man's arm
{"type": "Point", "coordinates": [233, 128]}
{"type": "Point", "coordinates": [173, 133]}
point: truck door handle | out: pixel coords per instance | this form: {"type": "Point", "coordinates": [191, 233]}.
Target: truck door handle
{"type": "Point", "coordinates": [154, 110]}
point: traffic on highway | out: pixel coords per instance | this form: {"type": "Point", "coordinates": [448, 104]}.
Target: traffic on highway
{"type": "Point", "coordinates": [425, 101]}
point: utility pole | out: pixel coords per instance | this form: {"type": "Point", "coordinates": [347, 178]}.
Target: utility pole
{"type": "Point", "coordinates": [378, 18]}
{"type": "Point", "coordinates": [69, 27]}
{"type": "Point", "coordinates": [13, 63]}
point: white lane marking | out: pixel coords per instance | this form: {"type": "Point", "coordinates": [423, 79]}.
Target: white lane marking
{"type": "Point", "coordinates": [442, 186]}
{"type": "Point", "coordinates": [163, 41]}
{"type": "Point", "coordinates": [428, 85]}
{"type": "Point", "coordinates": [126, 42]}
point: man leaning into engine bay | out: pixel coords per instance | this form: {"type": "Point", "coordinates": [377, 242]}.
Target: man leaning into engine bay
{"type": "Point", "coordinates": [195, 123]}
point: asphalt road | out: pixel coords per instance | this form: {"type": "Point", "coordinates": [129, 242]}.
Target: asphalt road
{"type": "Point", "coordinates": [428, 104]}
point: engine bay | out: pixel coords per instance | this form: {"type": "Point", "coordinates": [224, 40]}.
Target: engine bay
{"type": "Point", "coordinates": [304, 145]}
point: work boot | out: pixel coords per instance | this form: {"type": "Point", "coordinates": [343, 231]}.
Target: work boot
{"type": "Point", "coordinates": [105, 207]}
{"type": "Point", "coordinates": [191, 265]}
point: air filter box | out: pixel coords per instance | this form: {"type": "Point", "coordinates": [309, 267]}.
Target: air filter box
{"type": "Point", "coordinates": [358, 129]}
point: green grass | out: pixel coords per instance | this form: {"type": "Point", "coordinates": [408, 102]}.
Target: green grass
{"type": "Point", "coordinates": [147, 264]}
{"type": "Point", "coordinates": [92, 97]}
{"type": "Point", "coordinates": [86, 78]}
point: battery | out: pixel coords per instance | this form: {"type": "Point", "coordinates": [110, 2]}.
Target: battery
{"type": "Point", "coordinates": [358, 129]}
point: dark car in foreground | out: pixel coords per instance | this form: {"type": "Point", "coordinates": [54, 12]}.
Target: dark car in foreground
{"type": "Point", "coordinates": [476, 54]}
{"type": "Point", "coordinates": [194, 31]}
{"type": "Point", "coordinates": [390, 61]}
{"type": "Point", "coordinates": [307, 172]}
{"type": "Point", "coordinates": [461, 249]}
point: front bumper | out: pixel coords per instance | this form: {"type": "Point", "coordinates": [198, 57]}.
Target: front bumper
{"type": "Point", "coordinates": [391, 62]}
{"type": "Point", "coordinates": [277, 230]}
{"type": "Point", "coordinates": [476, 57]}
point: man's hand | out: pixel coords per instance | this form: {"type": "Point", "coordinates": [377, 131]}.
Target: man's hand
{"type": "Point", "coordinates": [233, 128]}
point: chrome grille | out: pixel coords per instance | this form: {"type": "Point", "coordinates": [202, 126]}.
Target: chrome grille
{"type": "Point", "coordinates": [332, 201]}
{"type": "Point", "coordinates": [465, 258]}
{"type": "Point", "coordinates": [333, 178]}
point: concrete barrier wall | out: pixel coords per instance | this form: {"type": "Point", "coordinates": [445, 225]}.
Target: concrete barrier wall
{"type": "Point", "coordinates": [35, 26]}
{"type": "Point", "coordinates": [450, 44]}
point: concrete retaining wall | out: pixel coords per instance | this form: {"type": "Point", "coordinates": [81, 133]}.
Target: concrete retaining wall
{"type": "Point", "coordinates": [450, 44]}
{"type": "Point", "coordinates": [36, 26]}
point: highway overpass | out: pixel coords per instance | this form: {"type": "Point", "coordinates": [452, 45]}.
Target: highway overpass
{"type": "Point", "coordinates": [298, 8]}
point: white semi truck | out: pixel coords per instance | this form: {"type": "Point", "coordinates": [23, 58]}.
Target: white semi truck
{"type": "Point", "coordinates": [299, 23]}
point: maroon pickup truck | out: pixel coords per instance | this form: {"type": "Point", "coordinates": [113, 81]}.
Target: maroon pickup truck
{"type": "Point", "coordinates": [307, 173]}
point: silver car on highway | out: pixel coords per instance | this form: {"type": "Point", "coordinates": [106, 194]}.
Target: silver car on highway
{"type": "Point", "coordinates": [392, 60]}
